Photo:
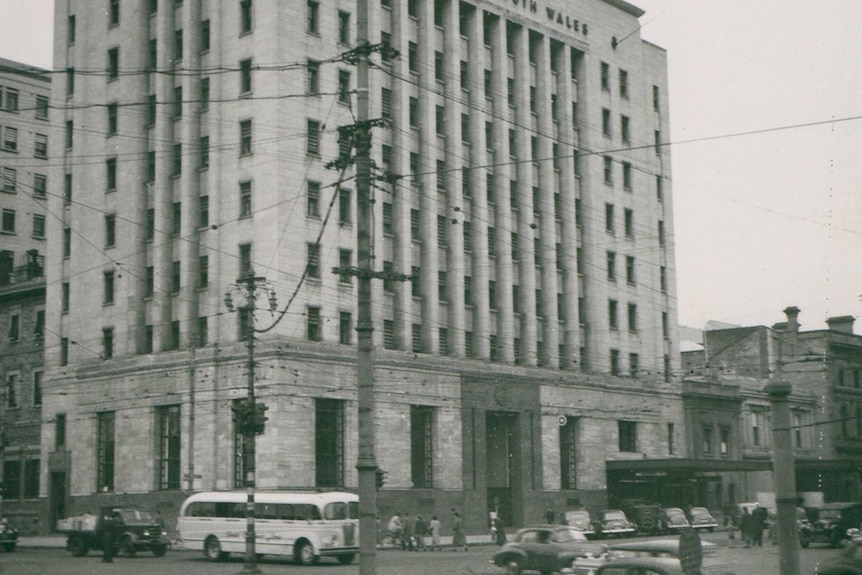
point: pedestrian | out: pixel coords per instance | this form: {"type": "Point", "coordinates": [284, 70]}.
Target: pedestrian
{"type": "Point", "coordinates": [758, 524]}
{"type": "Point", "coordinates": [745, 527]}
{"type": "Point", "coordinates": [395, 529]}
{"type": "Point", "coordinates": [459, 538]}
{"type": "Point", "coordinates": [109, 536]}
{"type": "Point", "coordinates": [731, 530]}
{"type": "Point", "coordinates": [409, 528]}
{"type": "Point", "coordinates": [435, 527]}
{"type": "Point", "coordinates": [550, 516]}
{"type": "Point", "coordinates": [499, 530]}
{"type": "Point", "coordinates": [419, 532]}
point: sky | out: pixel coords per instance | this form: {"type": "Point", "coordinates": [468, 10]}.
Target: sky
{"type": "Point", "coordinates": [766, 132]}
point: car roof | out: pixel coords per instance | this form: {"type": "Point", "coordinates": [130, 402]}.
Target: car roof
{"type": "Point", "coordinates": [668, 545]}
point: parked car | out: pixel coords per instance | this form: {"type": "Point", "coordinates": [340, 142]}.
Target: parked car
{"type": "Point", "coordinates": [647, 518]}
{"type": "Point", "coordinates": [545, 548]}
{"type": "Point", "coordinates": [656, 557]}
{"type": "Point", "coordinates": [580, 519]}
{"type": "Point", "coordinates": [673, 519]}
{"type": "Point", "coordinates": [849, 562]}
{"type": "Point", "coordinates": [8, 536]}
{"type": "Point", "coordinates": [701, 518]}
{"type": "Point", "coordinates": [803, 526]}
{"type": "Point", "coordinates": [831, 522]}
{"type": "Point", "coordinates": [613, 522]}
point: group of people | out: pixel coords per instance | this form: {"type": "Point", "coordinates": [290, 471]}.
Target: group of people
{"type": "Point", "coordinates": [750, 524]}
{"type": "Point", "coordinates": [409, 532]}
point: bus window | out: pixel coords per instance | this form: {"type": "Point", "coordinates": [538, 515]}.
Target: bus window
{"type": "Point", "coordinates": [267, 511]}
{"type": "Point", "coordinates": [285, 511]}
{"type": "Point", "coordinates": [307, 512]}
{"type": "Point", "coordinates": [354, 509]}
{"type": "Point", "coordinates": [335, 511]}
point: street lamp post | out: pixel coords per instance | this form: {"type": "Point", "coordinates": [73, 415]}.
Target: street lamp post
{"type": "Point", "coordinates": [250, 415]}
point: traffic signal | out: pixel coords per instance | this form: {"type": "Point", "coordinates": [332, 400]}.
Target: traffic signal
{"type": "Point", "coordinates": [250, 420]}
{"type": "Point", "coordinates": [259, 418]}
{"type": "Point", "coordinates": [380, 478]}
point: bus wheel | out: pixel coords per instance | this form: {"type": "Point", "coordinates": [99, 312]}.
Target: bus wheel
{"type": "Point", "coordinates": [346, 559]}
{"type": "Point", "coordinates": [305, 554]}
{"type": "Point", "coordinates": [212, 549]}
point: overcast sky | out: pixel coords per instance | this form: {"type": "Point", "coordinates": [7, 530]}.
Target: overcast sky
{"type": "Point", "coordinates": [766, 118]}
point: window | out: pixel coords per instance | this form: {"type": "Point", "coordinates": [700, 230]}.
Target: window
{"type": "Point", "coordinates": [70, 29]}
{"type": "Point", "coordinates": [176, 277]}
{"type": "Point", "coordinates": [468, 290]}
{"type": "Point", "coordinates": [67, 189]}
{"type": "Point", "coordinates": [245, 259]}
{"type": "Point", "coordinates": [633, 317]}
{"type": "Point", "coordinates": [105, 451]}
{"type": "Point", "coordinates": [569, 454]}
{"type": "Point", "coordinates": [412, 8]}
{"type": "Point", "coordinates": [205, 152]}
{"type": "Point", "coordinates": [613, 322]}
{"type": "Point", "coordinates": [312, 138]}
{"type": "Point", "coordinates": [12, 478]}
{"type": "Point", "coordinates": [413, 112]}
{"type": "Point", "coordinates": [203, 271]}
{"type": "Point", "coordinates": [113, 12]}
{"type": "Point", "coordinates": [313, 77]}
{"type": "Point", "coordinates": [628, 222]}
{"type": "Point", "coordinates": [204, 97]}
{"type": "Point", "coordinates": [14, 327]}
{"type": "Point", "coordinates": [245, 199]}
{"type": "Point", "coordinates": [659, 192]}
{"type": "Point", "coordinates": [64, 302]}
{"type": "Point", "coordinates": [177, 220]}
{"type": "Point", "coordinates": [625, 129]}
{"type": "Point", "coordinates": [344, 87]}
{"type": "Point", "coordinates": [345, 262]}
{"type": "Point", "coordinates": [343, 28]}
{"type": "Point", "coordinates": [634, 365]}
{"type": "Point", "coordinates": [388, 334]}
{"type": "Point", "coordinates": [37, 387]}
{"type": "Point", "coordinates": [245, 16]}
{"type": "Point", "coordinates": [9, 181]}
{"type": "Point", "coordinates": [345, 328]}
{"type": "Point", "coordinates": [203, 332]}
{"type": "Point", "coordinates": [312, 200]}
{"type": "Point", "coordinates": [670, 435]}
{"type": "Point", "coordinates": [107, 343]}
{"type": "Point", "coordinates": [38, 226]}
{"type": "Point", "coordinates": [413, 57]}
{"type": "Point", "coordinates": [11, 100]}
{"type": "Point", "coordinates": [245, 78]}
{"type": "Point", "coordinates": [612, 266]}
{"type": "Point", "coordinates": [416, 338]}
{"type": "Point", "coordinates": [204, 212]}
{"type": "Point", "coordinates": [329, 445]}
{"type": "Point", "coordinates": [110, 230]}
{"type": "Point", "coordinates": [609, 169]}
{"type": "Point", "coordinates": [153, 54]}
{"type": "Point", "coordinates": [178, 45]}
{"type": "Point", "coordinates": [706, 439]}
{"type": "Point", "coordinates": [655, 98]}
{"type": "Point", "coordinates": [8, 224]}
{"type": "Point", "coordinates": [39, 326]}
{"type": "Point", "coordinates": [151, 224]}
{"type": "Point", "coordinates": [168, 450]}
{"type": "Point", "coordinates": [70, 133]}
{"type": "Point", "coordinates": [441, 231]}
{"type": "Point", "coordinates": [609, 218]}
{"type": "Point", "coordinates": [113, 63]}
{"type": "Point", "coordinates": [724, 440]}
{"type": "Point", "coordinates": [492, 294]}
{"type": "Point", "coordinates": [245, 137]}
{"type": "Point", "coordinates": [663, 279]}
{"type": "Point", "coordinates": [313, 17]}
{"type": "Point", "coordinates": [313, 324]}
{"type": "Point", "coordinates": [661, 232]}
{"type": "Point", "coordinates": [414, 225]}
{"type": "Point", "coordinates": [205, 35]}
{"type": "Point", "coordinates": [422, 446]}
{"type": "Point", "coordinates": [468, 237]}
{"type": "Point", "coordinates": [605, 75]}
{"type": "Point", "coordinates": [439, 66]}
{"type": "Point", "coordinates": [41, 107]}
{"type": "Point", "coordinates": [755, 425]}
{"type": "Point", "coordinates": [627, 176]}
{"type": "Point", "coordinates": [178, 160]}
{"type": "Point", "coordinates": [606, 122]}
{"type": "Point", "coordinates": [441, 286]}
{"type": "Point", "coordinates": [387, 219]}
{"type": "Point", "coordinates": [630, 270]}
{"type": "Point", "coordinates": [10, 139]}
{"type": "Point", "coordinates": [624, 84]}
{"type": "Point", "coordinates": [628, 436]}
{"type": "Point", "coordinates": [64, 351]}
{"type": "Point", "coordinates": [344, 206]}
{"type": "Point", "coordinates": [665, 327]}
{"type": "Point", "coordinates": [313, 260]}
{"type": "Point", "coordinates": [657, 138]}
{"type": "Point", "coordinates": [111, 174]}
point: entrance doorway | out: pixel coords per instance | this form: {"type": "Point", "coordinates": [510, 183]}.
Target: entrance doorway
{"type": "Point", "coordinates": [58, 497]}
{"type": "Point", "coordinates": [503, 467]}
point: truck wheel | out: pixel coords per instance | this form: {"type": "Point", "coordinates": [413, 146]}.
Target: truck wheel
{"type": "Point", "coordinates": [160, 550]}
{"type": "Point", "coordinates": [212, 549]}
{"type": "Point", "coordinates": [77, 546]}
{"type": "Point", "coordinates": [127, 546]}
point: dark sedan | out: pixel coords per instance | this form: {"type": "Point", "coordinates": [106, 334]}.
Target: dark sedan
{"type": "Point", "coordinates": [848, 563]}
{"type": "Point", "coordinates": [545, 548]}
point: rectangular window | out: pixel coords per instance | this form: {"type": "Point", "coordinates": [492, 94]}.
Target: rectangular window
{"type": "Point", "coordinates": [113, 12]}
{"type": "Point", "coordinates": [388, 334]}
{"type": "Point", "coordinates": [624, 84]}
{"type": "Point", "coordinates": [613, 322]}
{"type": "Point", "coordinates": [67, 237]}
{"type": "Point", "coordinates": [628, 436]}
{"type": "Point", "coordinates": [612, 266]}
{"type": "Point", "coordinates": [205, 152]}
{"type": "Point", "coordinates": [14, 327]}
{"type": "Point", "coordinates": [150, 232]}
{"type": "Point", "coordinates": [659, 192]}
{"type": "Point", "coordinates": [110, 230]}
{"type": "Point", "coordinates": [245, 76]}
{"type": "Point", "coordinates": [344, 28]}
{"type": "Point", "coordinates": [105, 451]}
{"type": "Point", "coordinates": [245, 137]}
{"type": "Point", "coordinates": [329, 442]}
{"type": "Point", "coordinates": [245, 199]}
{"type": "Point", "coordinates": [345, 328]}
{"type": "Point", "coordinates": [203, 332]}
{"type": "Point", "coordinates": [11, 100]}
{"type": "Point", "coordinates": [441, 231]}
{"type": "Point", "coordinates": [40, 146]}
{"type": "Point", "coordinates": [416, 338]}
{"type": "Point", "coordinates": [606, 122]}
{"type": "Point", "coordinates": [344, 206]}
{"type": "Point", "coordinates": [344, 87]}
{"type": "Point", "coordinates": [441, 286]}
{"type": "Point", "coordinates": [724, 440]}
{"type": "Point", "coordinates": [312, 68]}
{"type": "Point", "coordinates": [414, 225]}
{"type": "Point", "coordinates": [176, 278]}
{"type": "Point", "coordinates": [609, 218]}
{"type": "Point", "coordinates": [312, 202]}
{"type": "Point", "coordinates": [112, 110]}
{"type": "Point", "coordinates": [8, 223]}
{"type": "Point", "coordinates": [345, 262]}
{"type": "Point", "coordinates": [468, 290]}
{"type": "Point", "coordinates": [634, 365]}
{"type": "Point", "coordinates": [312, 138]}
{"type": "Point", "coordinates": [569, 453]}
{"type": "Point", "coordinates": [630, 270]}
{"type": "Point", "coordinates": [657, 138]}
{"type": "Point", "coordinates": [422, 446]}
{"type": "Point", "coordinates": [64, 302]}
{"type": "Point", "coordinates": [413, 57]}
{"type": "Point", "coordinates": [168, 451]}
{"type": "Point", "coordinates": [64, 351]}
{"type": "Point", "coordinates": [605, 76]}
{"type": "Point", "coordinates": [38, 226]}
{"type": "Point", "coordinates": [70, 134]}
{"type": "Point", "coordinates": [439, 66]}
{"type": "Point", "coordinates": [245, 16]}
{"type": "Point", "coordinates": [661, 232]}
{"type": "Point", "coordinates": [492, 242]}
{"type": "Point", "coordinates": [177, 220]}
{"type": "Point", "coordinates": [40, 186]}
{"type": "Point", "coordinates": [387, 219]}
{"type": "Point", "coordinates": [203, 271]}
{"type": "Point", "coordinates": [313, 260]}
{"type": "Point", "coordinates": [178, 45]}
{"type": "Point", "coordinates": [706, 439]}
{"type": "Point", "coordinates": [468, 237]}
{"type": "Point", "coordinates": [41, 107]}
{"type": "Point", "coordinates": [67, 189]}
{"type": "Point", "coordinates": [655, 98]}
{"type": "Point", "coordinates": [609, 169]}
{"type": "Point", "coordinates": [111, 174]}
{"type": "Point", "coordinates": [492, 294]}
{"type": "Point", "coordinates": [625, 129]}
{"type": "Point", "coordinates": [12, 478]}
{"type": "Point", "coordinates": [204, 212]}
{"type": "Point", "coordinates": [70, 29]}
{"type": "Point", "coordinates": [113, 63]}
{"type": "Point", "coordinates": [60, 432]}
{"type": "Point", "coordinates": [313, 327]}
{"type": "Point", "coordinates": [205, 35]}
{"type": "Point", "coordinates": [627, 176]}
{"type": "Point", "coordinates": [204, 96]}
{"type": "Point", "coordinates": [39, 327]}
{"type": "Point", "coordinates": [9, 181]}
{"type": "Point", "coordinates": [178, 160]}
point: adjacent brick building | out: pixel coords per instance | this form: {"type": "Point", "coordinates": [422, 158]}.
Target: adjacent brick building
{"type": "Point", "coordinates": [523, 182]}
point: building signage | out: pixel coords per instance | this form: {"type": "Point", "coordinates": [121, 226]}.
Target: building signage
{"type": "Point", "coordinates": [555, 16]}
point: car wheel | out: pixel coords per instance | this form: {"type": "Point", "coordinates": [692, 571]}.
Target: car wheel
{"type": "Point", "coordinates": [305, 554]}
{"type": "Point", "coordinates": [212, 549]}
{"type": "Point", "coordinates": [513, 567]}
{"type": "Point", "coordinates": [804, 540]}
{"type": "Point", "coordinates": [160, 550]}
{"type": "Point", "coordinates": [346, 559]}
{"type": "Point", "coordinates": [127, 546]}
{"type": "Point", "coordinates": [77, 546]}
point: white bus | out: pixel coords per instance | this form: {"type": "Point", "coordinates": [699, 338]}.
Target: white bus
{"type": "Point", "coordinates": [302, 525]}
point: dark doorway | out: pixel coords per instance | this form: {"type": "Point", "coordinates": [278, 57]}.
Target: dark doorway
{"type": "Point", "coordinates": [503, 467]}
{"type": "Point", "coordinates": [58, 497]}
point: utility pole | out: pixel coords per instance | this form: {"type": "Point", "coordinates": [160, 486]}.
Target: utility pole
{"type": "Point", "coordinates": [250, 414]}
{"type": "Point", "coordinates": [784, 477]}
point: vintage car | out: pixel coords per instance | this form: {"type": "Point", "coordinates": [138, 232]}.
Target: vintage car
{"type": "Point", "coordinates": [701, 518]}
{"type": "Point", "coordinates": [647, 518]}
{"type": "Point", "coordinates": [8, 536]}
{"type": "Point", "coordinates": [613, 522]}
{"type": "Point", "coordinates": [673, 519]}
{"type": "Point", "coordinates": [580, 519]}
{"type": "Point", "coordinates": [849, 562]}
{"type": "Point", "coordinates": [545, 548]}
{"type": "Point", "coordinates": [653, 566]}
{"type": "Point", "coordinates": [831, 522]}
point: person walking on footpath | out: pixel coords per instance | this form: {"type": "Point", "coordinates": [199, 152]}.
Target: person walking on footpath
{"type": "Point", "coordinates": [109, 536]}
{"type": "Point", "coordinates": [419, 532]}
{"type": "Point", "coordinates": [499, 529]}
{"type": "Point", "coordinates": [459, 538]}
{"type": "Point", "coordinates": [409, 528]}
{"type": "Point", "coordinates": [435, 527]}
{"type": "Point", "coordinates": [745, 527]}
{"type": "Point", "coordinates": [395, 529]}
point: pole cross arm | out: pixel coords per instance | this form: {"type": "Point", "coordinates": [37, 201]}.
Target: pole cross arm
{"type": "Point", "coordinates": [371, 274]}
{"type": "Point", "coordinates": [352, 56]}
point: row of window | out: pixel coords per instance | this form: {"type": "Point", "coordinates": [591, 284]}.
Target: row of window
{"type": "Point", "coordinates": [14, 391]}
{"type": "Point", "coordinates": [14, 331]}
{"type": "Point", "coordinates": [9, 142]}
{"type": "Point", "coordinates": [8, 223]}
{"type": "Point", "coordinates": [9, 102]}
{"type": "Point", "coordinates": [21, 479]}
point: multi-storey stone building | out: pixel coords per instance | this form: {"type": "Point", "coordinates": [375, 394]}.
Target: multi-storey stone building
{"type": "Point", "coordinates": [24, 172]}
{"type": "Point", "coordinates": [523, 183]}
